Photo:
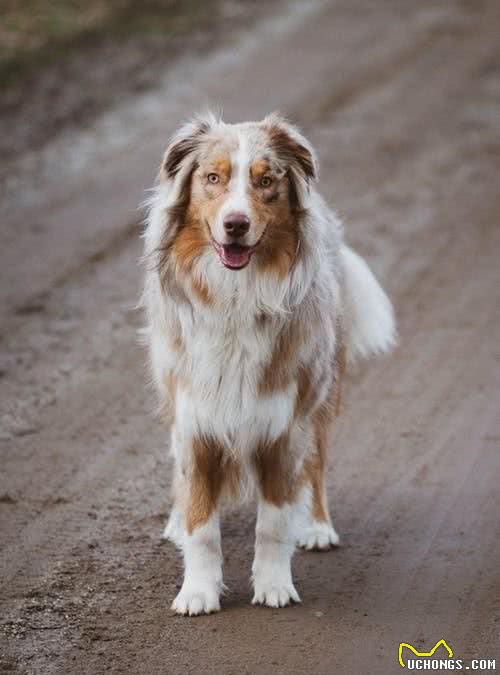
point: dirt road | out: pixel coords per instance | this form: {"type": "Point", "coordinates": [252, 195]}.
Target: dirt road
{"type": "Point", "coordinates": [402, 99]}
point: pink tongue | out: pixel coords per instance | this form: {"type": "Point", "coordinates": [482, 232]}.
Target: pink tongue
{"type": "Point", "coordinates": [235, 257]}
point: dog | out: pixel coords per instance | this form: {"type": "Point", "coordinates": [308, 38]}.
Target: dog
{"type": "Point", "coordinates": [254, 306]}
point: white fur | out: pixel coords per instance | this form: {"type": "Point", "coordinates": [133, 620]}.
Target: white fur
{"type": "Point", "coordinates": [225, 352]}
{"type": "Point", "coordinates": [309, 533]}
{"type": "Point", "coordinates": [222, 402]}
{"type": "Point", "coordinates": [202, 584]}
{"type": "Point", "coordinates": [237, 201]}
{"type": "Point", "coordinates": [274, 546]}
{"type": "Point", "coordinates": [318, 536]}
{"type": "Point", "coordinates": [174, 529]}
{"type": "Point", "coordinates": [368, 311]}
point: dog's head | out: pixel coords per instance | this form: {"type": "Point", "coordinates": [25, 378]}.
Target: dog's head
{"type": "Point", "coordinates": [238, 192]}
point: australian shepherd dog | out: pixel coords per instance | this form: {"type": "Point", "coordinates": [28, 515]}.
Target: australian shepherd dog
{"type": "Point", "coordinates": [254, 308]}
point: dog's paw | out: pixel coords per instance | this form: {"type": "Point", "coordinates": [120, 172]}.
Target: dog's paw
{"type": "Point", "coordinates": [318, 537]}
{"type": "Point", "coordinates": [193, 601]}
{"type": "Point", "coordinates": [274, 595]}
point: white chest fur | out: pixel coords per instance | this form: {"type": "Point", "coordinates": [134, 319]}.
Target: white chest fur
{"type": "Point", "coordinates": [221, 364]}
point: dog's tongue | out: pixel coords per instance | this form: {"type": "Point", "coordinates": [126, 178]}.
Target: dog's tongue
{"type": "Point", "coordinates": [234, 255]}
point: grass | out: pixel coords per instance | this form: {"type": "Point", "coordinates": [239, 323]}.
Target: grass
{"type": "Point", "coordinates": [36, 32]}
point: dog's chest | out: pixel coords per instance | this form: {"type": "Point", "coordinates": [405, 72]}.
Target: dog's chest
{"type": "Point", "coordinates": [224, 365]}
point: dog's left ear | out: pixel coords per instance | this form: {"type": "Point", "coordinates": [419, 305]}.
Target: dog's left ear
{"type": "Point", "coordinates": [292, 147]}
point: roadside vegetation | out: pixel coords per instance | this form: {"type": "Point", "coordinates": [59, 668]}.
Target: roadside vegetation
{"type": "Point", "coordinates": [37, 32]}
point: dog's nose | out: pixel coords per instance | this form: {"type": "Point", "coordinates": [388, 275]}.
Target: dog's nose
{"type": "Point", "coordinates": [236, 224]}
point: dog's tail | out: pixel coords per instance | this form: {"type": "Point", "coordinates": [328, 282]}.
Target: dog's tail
{"type": "Point", "coordinates": [369, 316]}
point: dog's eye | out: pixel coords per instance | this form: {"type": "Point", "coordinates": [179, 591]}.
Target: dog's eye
{"type": "Point", "coordinates": [266, 181]}
{"type": "Point", "coordinates": [213, 178]}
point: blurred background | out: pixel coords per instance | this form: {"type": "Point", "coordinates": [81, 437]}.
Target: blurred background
{"type": "Point", "coordinates": [402, 101]}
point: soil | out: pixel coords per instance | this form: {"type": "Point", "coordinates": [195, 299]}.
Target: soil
{"type": "Point", "coordinates": [402, 101]}
{"type": "Point", "coordinates": [69, 63]}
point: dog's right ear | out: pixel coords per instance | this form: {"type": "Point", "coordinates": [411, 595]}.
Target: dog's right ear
{"type": "Point", "coordinates": [184, 143]}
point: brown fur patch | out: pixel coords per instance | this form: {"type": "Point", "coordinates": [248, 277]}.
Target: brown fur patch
{"type": "Point", "coordinates": [167, 407]}
{"type": "Point", "coordinates": [201, 291]}
{"type": "Point", "coordinates": [313, 470]}
{"type": "Point", "coordinates": [314, 474]}
{"type": "Point", "coordinates": [213, 469]}
{"type": "Point", "coordinates": [177, 343]}
{"type": "Point", "coordinates": [221, 166]}
{"type": "Point", "coordinates": [324, 417]}
{"type": "Point", "coordinates": [175, 216]}
{"type": "Point", "coordinates": [190, 243]}
{"type": "Point", "coordinates": [315, 464]}
{"type": "Point", "coordinates": [274, 471]}
{"type": "Point", "coordinates": [280, 243]}
{"type": "Point", "coordinates": [192, 238]}
{"type": "Point", "coordinates": [294, 155]}
{"type": "Point", "coordinates": [306, 391]}
{"type": "Point", "coordinates": [291, 151]}
{"type": "Point", "coordinates": [273, 461]}
{"type": "Point", "coordinates": [258, 169]}
{"type": "Point", "coordinates": [278, 373]}
{"type": "Point", "coordinates": [171, 385]}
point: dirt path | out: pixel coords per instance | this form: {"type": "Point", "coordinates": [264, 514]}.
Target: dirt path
{"type": "Point", "coordinates": [402, 100]}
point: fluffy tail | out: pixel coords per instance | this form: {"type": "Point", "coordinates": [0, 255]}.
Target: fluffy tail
{"type": "Point", "coordinates": [370, 324]}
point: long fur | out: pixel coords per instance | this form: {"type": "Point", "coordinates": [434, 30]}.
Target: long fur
{"type": "Point", "coordinates": [369, 316]}
{"type": "Point", "coordinates": [248, 363]}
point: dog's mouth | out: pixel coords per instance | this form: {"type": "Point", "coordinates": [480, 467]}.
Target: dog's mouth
{"type": "Point", "coordinates": [234, 256]}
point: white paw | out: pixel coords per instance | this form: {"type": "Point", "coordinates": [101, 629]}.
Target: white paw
{"type": "Point", "coordinates": [318, 536]}
{"type": "Point", "coordinates": [193, 601]}
{"type": "Point", "coordinates": [274, 594]}
{"type": "Point", "coordinates": [173, 529]}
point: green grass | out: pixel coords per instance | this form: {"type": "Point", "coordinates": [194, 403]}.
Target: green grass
{"type": "Point", "coordinates": [36, 32]}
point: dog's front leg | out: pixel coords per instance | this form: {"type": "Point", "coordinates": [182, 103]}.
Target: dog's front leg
{"type": "Point", "coordinates": [201, 540]}
{"type": "Point", "coordinates": [274, 536]}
